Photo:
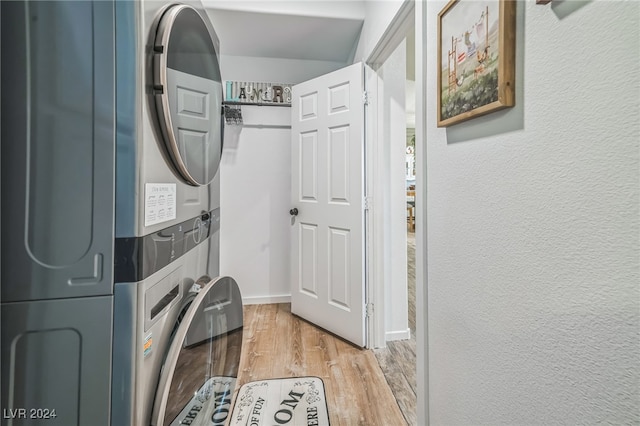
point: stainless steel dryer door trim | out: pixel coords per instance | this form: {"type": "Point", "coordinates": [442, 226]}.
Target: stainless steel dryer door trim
{"type": "Point", "coordinates": [201, 366]}
{"type": "Point", "coordinates": [188, 99]}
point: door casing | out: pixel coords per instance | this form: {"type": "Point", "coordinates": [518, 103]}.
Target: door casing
{"type": "Point", "coordinates": [409, 13]}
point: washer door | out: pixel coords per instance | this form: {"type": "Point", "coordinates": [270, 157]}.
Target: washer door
{"type": "Point", "coordinates": [199, 373]}
{"type": "Point", "coordinates": [188, 93]}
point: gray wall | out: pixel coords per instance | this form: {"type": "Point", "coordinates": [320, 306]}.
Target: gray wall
{"type": "Point", "coordinates": [533, 227]}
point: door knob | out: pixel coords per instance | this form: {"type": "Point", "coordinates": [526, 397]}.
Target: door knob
{"type": "Point", "coordinates": [293, 212]}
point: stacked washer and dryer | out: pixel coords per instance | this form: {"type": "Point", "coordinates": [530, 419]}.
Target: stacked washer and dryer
{"type": "Point", "coordinates": [113, 311]}
{"type": "Point", "coordinates": [169, 110]}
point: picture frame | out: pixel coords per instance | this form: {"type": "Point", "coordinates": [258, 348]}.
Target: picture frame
{"type": "Point", "coordinates": [476, 59]}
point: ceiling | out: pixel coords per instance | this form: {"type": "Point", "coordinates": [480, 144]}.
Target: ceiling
{"type": "Point", "coordinates": [321, 30]}
{"type": "Point", "coordinates": [308, 31]}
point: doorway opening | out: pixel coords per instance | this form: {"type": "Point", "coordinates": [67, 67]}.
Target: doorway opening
{"type": "Point", "coordinates": [395, 183]}
{"type": "Point", "coordinates": [410, 176]}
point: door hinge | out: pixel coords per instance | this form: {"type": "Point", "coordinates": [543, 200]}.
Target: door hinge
{"type": "Point", "coordinates": [365, 97]}
{"type": "Point", "coordinates": [367, 203]}
{"type": "Point", "coordinates": [369, 309]}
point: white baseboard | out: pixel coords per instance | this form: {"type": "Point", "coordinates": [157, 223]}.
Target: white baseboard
{"type": "Point", "coordinates": [397, 335]}
{"type": "Point", "coordinates": [266, 300]}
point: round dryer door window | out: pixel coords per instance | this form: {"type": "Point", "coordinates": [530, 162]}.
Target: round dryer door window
{"type": "Point", "coordinates": [200, 370]}
{"type": "Point", "coordinates": [188, 93]}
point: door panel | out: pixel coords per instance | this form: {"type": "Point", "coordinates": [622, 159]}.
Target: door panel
{"type": "Point", "coordinates": [328, 192]}
{"type": "Point", "coordinates": [56, 356]}
{"type": "Point", "coordinates": [309, 173]}
{"type": "Point", "coordinates": [308, 259]}
{"type": "Point", "coordinates": [339, 165]}
{"type": "Point", "coordinates": [57, 151]}
{"type": "Point", "coordinates": [339, 267]}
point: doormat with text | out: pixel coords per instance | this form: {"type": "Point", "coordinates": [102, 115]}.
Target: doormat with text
{"type": "Point", "coordinates": [296, 401]}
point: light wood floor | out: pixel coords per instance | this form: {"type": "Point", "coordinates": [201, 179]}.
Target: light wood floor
{"type": "Point", "coordinates": [398, 359]}
{"type": "Point", "coordinates": [278, 344]}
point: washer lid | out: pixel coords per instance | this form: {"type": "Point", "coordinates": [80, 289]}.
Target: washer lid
{"type": "Point", "coordinates": [199, 373]}
{"type": "Point", "coordinates": [188, 93]}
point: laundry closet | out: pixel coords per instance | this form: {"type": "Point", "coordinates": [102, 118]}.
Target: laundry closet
{"type": "Point", "coordinates": [261, 50]}
{"type": "Point", "coordinates": [146, 204]}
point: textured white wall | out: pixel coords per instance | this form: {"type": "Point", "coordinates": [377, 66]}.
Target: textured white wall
{"type": "Point", "coordinates": [255, 196]}
{"type": "Point", "coordinates": [378, 16]}
{"type": "Point", "coordinates": [247, 68]}
{"type": "Point", "coordinates": [533, 230]}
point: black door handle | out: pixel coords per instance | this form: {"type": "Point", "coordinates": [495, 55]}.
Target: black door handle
{"type": "Point", "coordinates": [293, 212]}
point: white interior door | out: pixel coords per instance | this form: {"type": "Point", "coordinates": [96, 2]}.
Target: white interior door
{"type": "Point", "coordinates": [327, 232]}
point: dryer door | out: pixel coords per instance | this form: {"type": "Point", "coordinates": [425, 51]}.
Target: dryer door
{"type": "Point", "coordinates": [188, 92]}
{"type": "Point", "coordinates": [199, 374]}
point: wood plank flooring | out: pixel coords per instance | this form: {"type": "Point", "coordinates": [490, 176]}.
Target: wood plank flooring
{"type": "Point", "coordinates": [278, 344]}
{"type": "Point", "coordinates": [398, 359]}
{"type": "Point", "coordinates": [398, 363]}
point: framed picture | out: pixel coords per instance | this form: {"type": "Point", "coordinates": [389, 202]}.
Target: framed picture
{"type": "Point", "coordinates": [476, 59]}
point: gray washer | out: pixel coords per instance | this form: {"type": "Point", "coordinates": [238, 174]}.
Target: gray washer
{"type": "Point", "coordinates": [145, 317]}
{"type": "Point", "coordinates": [201, 367]}
{"type": "Point", "coordinates": [58, 161]}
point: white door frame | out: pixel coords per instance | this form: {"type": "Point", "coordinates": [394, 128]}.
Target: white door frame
{"type": "Point", "coordinates": [378, 280]}
{"type": "Point", "coordinates": [410, 12]}
{"type": "Point", "coordinates": [374, 221]}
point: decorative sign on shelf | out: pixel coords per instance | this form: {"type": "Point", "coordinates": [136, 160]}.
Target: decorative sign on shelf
{"type": "Point", "coordinates": [257, 93]}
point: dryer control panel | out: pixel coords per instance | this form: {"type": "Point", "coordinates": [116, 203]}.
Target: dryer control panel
{"type": "Point", "coordinates": [136, 258]}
